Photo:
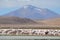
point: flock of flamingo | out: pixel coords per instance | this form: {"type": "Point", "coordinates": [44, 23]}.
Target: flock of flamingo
{"type": "Point", "coordinates": [42, 32]}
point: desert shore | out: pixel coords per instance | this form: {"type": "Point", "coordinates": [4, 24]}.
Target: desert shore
{"type": "Point", "coordinates": [28, 26]}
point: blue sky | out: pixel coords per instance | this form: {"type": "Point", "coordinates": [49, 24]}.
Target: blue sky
{"type": "Point", "coordinates": [10, 5]}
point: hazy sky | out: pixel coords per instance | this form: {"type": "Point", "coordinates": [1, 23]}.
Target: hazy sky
{"type": "Point", "coordinates": [10, 5]}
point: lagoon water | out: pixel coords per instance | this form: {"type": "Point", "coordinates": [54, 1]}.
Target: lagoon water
{"type": "Point", "coordinates": [29, 37]}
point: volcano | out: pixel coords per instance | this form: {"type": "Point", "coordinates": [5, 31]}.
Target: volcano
{"type": "Point", "coordinates": [32, 12]}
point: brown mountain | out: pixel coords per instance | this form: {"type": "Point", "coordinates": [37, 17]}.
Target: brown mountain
{"type": "Point", "coordinates": [53, 21]}
{"type": "Point", "coordinates": [15, 20]}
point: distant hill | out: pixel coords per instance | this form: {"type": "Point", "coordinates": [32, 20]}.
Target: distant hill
{"type": "Point", "coordinates": [33, 12]}
{"type": "Point", "coordinates": [54, 21]}
{"type": "Point", "coordinates": [15, 20]}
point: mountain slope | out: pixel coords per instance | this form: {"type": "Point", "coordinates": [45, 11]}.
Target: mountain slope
{"type": "Point", "coordinates": [15, 20]}
{"type": "Point", "coordinates": [33, 12]}
{"type": "Point", "coordinates": [54, 21]}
